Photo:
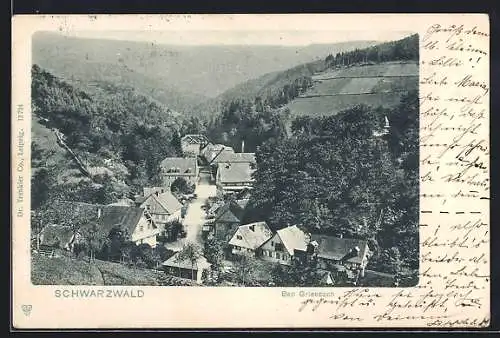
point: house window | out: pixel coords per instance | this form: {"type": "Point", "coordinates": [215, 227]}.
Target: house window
{"type": "Point", "coordinates": [279, 247]}
{"type": "Point", "coordinates": [239, 237]}
{"type": "Point", "coordinates": [141, 228]}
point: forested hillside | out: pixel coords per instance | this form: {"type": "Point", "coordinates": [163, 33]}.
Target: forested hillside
{"type": "Point", "coordinates": [272, 89]}
{"type": "Point", "coordinates": [180, 76]}
{"type": "Point", "coordinates": [264, 108]}
{"type": "Point", "coordinates": [339, 175]}
{"type": "Point", "coordinates": [117, 137]}
{"type": "Point", "coordinates": [340, 171]}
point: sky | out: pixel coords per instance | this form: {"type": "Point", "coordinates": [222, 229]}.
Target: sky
{"type": "Point", "coordinates": [226, 37]}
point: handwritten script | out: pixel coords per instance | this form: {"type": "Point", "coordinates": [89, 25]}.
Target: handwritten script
{"type": "Point", "coordinates": [453, 288]}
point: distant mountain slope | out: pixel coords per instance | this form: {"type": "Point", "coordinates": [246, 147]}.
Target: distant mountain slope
{"type": "Point", "coordinates": [267, 85]}
{"type": "Point", "coordinates": [265, 108]}
{"type": "Point", "coordinates": [376, 75]}
{"type": "Point", "coordinates": [179, 76]}
{"type": "Point", "coordinates": [279, 88]}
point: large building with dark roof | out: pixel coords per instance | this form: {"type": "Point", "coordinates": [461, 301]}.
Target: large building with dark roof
{"type": "Point", "coordinates": [233, 177]}
{"type": "Point", "coordinates": [134, 222]}
{"type": "Point", "coordinates": [179, 167]}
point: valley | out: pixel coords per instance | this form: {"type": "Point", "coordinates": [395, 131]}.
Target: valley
{"type": "Point", "coordinates": [130, 135]}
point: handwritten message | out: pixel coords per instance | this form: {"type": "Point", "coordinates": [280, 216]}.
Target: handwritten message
{"type": "Point", "coordinates": [453, 287]}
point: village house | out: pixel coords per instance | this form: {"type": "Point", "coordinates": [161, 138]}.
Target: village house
{"type": "Point", "coordinates": [56, 237]}
{"type": "Point", "coordinates": [184, 268]}
{"type": "Point", "coordinates": [280, 248]}
{"type": "Point", "coordinates": [339, 254]}
{"type": "Point", "coordinates": [161, 205]}
{"type": "Point", "coordinates": [136, 223]}
{"type": "Point", "coordinates": [233, 177]}
{"type": "Point", "coordinates": [211, 151]}
{"type": "Point", "coordinates": [192, 144]}
{"type": "Point", "coordinates": [227, 219]}
{"type": "Point", "coordinates": [249, 237]}
{"type": "Point", "coordinates": [173, 168]}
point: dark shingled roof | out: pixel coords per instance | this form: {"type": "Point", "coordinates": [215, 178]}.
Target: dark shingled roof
{"type": "Point", "coordinates": [55, 235]}
{"type": "Point", "coordinates": [230, 212]}
{"type": "Point", "coordinates": [126, 218]}
{"type": "Point", "coordinates": [123, 217]}
{"type": "Point", "coordinates": [334, 248]}
{"type": "Point", "coordinates": [165, 199]}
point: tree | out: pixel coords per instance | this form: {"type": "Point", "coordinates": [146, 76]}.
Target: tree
{"type": "Point", "coordinates": [246, 270]}
{"type": "Point", "coordinates": [302, 272]}
{"type": "Point", "coordinates": [42, 182]}
{"type": "Point", "coordinates": [176, 143]}
{"type": "Point", "coordinates": [389, 261]}
{"type": "Point", "coordinates": [61, 213]}
{"type": "Point", "coordinates": [191, 252]}
{"type": "Point", "coordinates": [157, 255]}
{"type": "Point", "coordinates": [336, 176]}
{"type": "Point", "coordinates": [182, 186]}
{"type": "Point", "coordinates": [214, 252]}
{"type": "Point", "coordinates": [171, 232]}
{"type": "Point", "coordinates": [90, 235]}
{"type": "Point", "coordinates": [118, 239]}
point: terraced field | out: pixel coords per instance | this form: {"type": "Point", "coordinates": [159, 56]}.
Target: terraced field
{"type": "Point", "coordinates": [375, 85]}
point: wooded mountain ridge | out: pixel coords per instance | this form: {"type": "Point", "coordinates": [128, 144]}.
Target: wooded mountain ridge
{"type": "Point", "coordinates": [181, 77]}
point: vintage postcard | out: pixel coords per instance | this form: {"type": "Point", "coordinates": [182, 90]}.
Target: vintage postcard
{"type": "Point", "coordinates": [250, 171]}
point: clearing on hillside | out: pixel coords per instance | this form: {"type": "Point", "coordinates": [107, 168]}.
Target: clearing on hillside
{"type": "Point", "coordinates": [371, 84]}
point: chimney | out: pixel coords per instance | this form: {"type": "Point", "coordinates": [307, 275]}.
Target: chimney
{"type": "Point", "coordinates": [252, 227]}
{"type": "Point", "coordinates": [157, 193]}
{"type": "Point", "coordinates": [99, 212]}
{"type": "Point", "coordinates": [242, 146]}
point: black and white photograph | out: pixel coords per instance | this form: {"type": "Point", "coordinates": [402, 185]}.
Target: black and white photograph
{"type": "Point", "coordinates": [225, 158]}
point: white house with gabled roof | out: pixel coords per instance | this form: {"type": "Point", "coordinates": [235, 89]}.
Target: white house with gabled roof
{"type": "Point", "coordinates": [281, 246]}
{"type": "Point", "coordinates": [249, 237]}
